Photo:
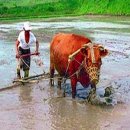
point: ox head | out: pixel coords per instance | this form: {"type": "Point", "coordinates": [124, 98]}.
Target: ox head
{"type": "Point", "coordinates": [92, 61]}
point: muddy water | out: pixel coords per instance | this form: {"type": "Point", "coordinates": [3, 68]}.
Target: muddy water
{"type": "Point", "coordinates": [37, 106]}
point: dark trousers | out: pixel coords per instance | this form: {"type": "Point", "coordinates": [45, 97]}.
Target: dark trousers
{"type": "Point", "coordinates": [24, 63]}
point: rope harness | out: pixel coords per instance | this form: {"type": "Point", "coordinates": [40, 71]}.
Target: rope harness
{"type": "Point", "coordinates": [89, 63]}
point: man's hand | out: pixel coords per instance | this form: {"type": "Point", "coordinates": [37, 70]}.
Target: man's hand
{"type": "Point", "coordinates": [37, 53]}
{"type": "Point", "coordinates": [17, 55]}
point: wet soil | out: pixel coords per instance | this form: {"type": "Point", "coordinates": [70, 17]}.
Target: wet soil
{"type": "Point", "coordinates": [40, 107]}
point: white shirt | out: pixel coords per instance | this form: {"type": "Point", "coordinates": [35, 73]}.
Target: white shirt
{"type": "Point", "coordinates": [21, 39]}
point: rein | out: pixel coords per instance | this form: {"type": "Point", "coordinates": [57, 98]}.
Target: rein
{"type": "Point", "coordinates": [27, 55]}
{"type": "Point", "coordinates": [77, 71]}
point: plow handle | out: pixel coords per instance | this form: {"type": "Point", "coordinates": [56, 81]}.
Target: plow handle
{"type": "Point", "coordinates": [26, 55]}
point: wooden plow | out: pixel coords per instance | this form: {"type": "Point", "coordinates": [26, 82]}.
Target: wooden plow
{"type": "Point", "coordinates": [31, 79]}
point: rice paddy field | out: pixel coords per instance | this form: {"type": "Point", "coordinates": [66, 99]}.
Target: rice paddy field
{"type": "Point", "coordinates": [27, 9]}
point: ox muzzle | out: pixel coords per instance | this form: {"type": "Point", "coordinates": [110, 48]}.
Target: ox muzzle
{"type": "Point", "coordinates": [94, 73]}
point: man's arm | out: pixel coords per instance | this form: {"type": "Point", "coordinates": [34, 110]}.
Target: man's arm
{"type": "Point", "coordinates": [16, 46]}
{"type": "Point", "coordinates": [37, 46]}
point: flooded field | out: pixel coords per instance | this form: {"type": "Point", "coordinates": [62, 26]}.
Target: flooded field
{"type": "Point", "coordinates": [37, 106]}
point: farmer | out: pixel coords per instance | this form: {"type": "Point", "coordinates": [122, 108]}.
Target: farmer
{"type": "Point", "coordinates": [25, 39]}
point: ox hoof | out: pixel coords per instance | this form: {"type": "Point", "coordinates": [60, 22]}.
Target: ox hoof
{"type": "Point", "coordinates": [73, 96]}
{"type": "Point", "coordinates": [64, 94]}
{"type": "Point", "coordinates": [59, 86]}
{"type": "Point", "coordinates": [92, 95]}
{"type": "Point", "coordinates": [51, 84]}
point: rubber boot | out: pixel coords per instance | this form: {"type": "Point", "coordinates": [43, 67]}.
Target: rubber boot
{"type": "Point", "coordinates": [18, 73]}
{"type": "Point", "coordinates": [26, 73]}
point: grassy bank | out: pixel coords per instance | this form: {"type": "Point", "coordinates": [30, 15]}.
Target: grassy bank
{"type": "Point", "coordinates": [52, 8]}
{"type": "Point", "coordinates": [109, 7]}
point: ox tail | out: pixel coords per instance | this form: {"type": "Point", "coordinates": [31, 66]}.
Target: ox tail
{"type": "Point", "coordinates": [52, 70]}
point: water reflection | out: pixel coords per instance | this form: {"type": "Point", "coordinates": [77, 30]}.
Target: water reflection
{"type": "Point", "coordinates": [25, 94]}
{"type": "Point", "coordinates": [67, 114]}
{"type": "Point", "coordinates": [27, 113]}
{"type": "Point", "coordinates": [70, 114]}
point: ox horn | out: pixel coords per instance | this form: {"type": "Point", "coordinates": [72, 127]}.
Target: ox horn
{"type": "Point", "coordinates": [101, 47]}
{"type": "Point", "coordinates": [76, 52]}
{"type": "Point", "coordinates": [88, 45]}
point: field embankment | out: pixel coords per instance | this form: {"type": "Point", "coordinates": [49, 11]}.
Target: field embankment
{"type": "Point", "coordinates": [53, 8]}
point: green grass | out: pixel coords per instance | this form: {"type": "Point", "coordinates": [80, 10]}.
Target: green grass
{"type": "Point", "coordinates": [51, 8]}
{"type": "Point", "coordinates": [110, 7]}
{"type": "Point", "coordinates": [15, 3]}
{"type": "Point", "coordinates": [45, 9]}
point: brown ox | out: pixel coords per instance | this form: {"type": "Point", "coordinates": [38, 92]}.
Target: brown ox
{"type": "Point", "coordinates": [84, 60]}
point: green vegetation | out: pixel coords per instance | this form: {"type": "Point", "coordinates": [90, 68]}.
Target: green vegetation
{"type": "Point", "coordinates": [110, 7]}
{"type": "Point", "coordinates": [14, 3]}
{"type": "Point", "coordinates": [52, 8]}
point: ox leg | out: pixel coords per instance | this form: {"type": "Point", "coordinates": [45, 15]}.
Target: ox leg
{"type": "Point", "coordinates": [92, 92]}
{"type": "Point", "coordinates": [51, 77]}
{"type": "Point", "coordinates": [59, 82]}
{"type": "Point", "coordinates": [93, 86]}
{"type": "Point", "coordinates": [73, 85]}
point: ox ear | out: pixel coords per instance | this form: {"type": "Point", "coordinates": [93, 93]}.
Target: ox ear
{"type": "Point", "coordinates": [83, 51]}
{"type": "Point", "coordinates": [103, 51]}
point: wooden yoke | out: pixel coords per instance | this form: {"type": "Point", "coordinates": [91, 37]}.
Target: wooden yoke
{"type": "Point", "coordinates": [76, 52]}
{"type": "Point", "coordinates": [72, 55]}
